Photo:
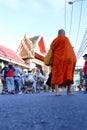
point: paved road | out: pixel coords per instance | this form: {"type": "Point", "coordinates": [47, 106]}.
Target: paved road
{"type": "Point", "coordinates": [43, 111]}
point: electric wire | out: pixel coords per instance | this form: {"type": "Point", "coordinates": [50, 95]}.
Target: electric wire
{"type": "Point", "coordinates": [71, 21]}
{"type": "Point", "coordinates": [65, 14]}
{"type": "Point", "coordinates": [83, 46]}
{"type": "Point", "coordinates": [79, 23]}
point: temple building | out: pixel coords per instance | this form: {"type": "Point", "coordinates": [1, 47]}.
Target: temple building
{"type": "Point", "coordinates": [32, 50]}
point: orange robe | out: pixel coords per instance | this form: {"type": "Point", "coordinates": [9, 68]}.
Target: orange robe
{"type": "Point", "coordinates": [64, 61]}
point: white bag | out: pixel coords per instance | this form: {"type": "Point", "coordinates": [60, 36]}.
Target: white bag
{"type": "Point", "coordinates": [31, 78]}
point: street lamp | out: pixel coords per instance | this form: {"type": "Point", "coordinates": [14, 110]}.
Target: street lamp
{"type": "Point", "coordinates": [71, 2]}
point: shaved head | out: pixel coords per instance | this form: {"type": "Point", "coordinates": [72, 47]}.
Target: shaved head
{"type": "Point", "coordinates": [61, 31]}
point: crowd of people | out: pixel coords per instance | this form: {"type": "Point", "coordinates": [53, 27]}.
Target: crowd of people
{"type": "Point", "coordinates": [16, 80]}
{"type": "Point", "coordinates": [61, 75]}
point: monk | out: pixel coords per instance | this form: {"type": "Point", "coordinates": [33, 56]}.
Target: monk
{"type": "Point", "coordinates": [64, 61]}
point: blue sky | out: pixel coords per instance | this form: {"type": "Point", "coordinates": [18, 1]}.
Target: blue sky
{"type": "Point", "coordinates": [40, 17]}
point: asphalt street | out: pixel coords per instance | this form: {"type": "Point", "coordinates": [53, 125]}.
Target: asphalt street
{"type": "Point", "coordinates": [43, 111]}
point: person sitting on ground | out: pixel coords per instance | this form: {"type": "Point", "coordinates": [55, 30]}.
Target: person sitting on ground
{"type": "Point", "coordinates": [31, 81]}
{"type": "Point", "coordinates": [40, 79]}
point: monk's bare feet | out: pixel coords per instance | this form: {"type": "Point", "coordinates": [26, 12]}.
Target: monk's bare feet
{"type": "Point", "coordinates": [58, 94]}
{"type": "Point", "coordinates": [70, 93]}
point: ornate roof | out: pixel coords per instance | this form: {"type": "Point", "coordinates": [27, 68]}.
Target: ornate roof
{"type": "Point", "coordinates": [32, 48]}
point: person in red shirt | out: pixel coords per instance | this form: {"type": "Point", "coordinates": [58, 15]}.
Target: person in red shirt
{"type": "Point", "coordinates": [9, 73]}
{"type": "Point", "coordinates": [85, 71]}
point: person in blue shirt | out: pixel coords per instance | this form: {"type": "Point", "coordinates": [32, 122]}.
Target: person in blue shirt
{"type": "Point", "coordinates": [17, 79]}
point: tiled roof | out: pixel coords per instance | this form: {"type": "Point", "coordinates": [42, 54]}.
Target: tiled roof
{"type": "Point", "coordinates": [9, 54]}
{"type": "Point", "coordinates": [34, 39]}
{"type": "Point", "coordinates": [32, 47]}
{"type": "Point", "coordinates": [41, 47]}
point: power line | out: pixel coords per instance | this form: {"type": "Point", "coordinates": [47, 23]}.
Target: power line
{"type": "Point", "coordinates": [71, 21]}
{"type": "Point", "coordinates": [83, 46]}
{"type": "Point", "coordinates": [79, 23]}
{"type": "Point", "coordinates": [65, 15]}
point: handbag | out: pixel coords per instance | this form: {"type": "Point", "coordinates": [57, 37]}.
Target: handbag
{"type": "Point", "coordinates": [48, 59]}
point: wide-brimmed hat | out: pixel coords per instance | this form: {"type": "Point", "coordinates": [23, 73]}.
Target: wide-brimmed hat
{"type": "Point", "coordinates": [85, 55]}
